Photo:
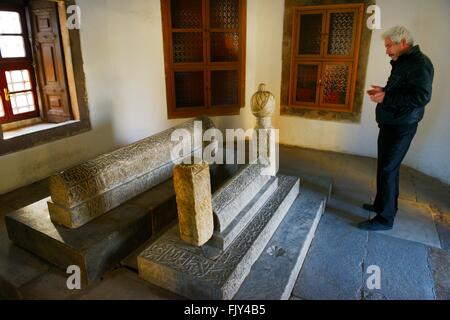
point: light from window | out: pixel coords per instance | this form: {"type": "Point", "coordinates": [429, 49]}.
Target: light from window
{"type": "Point", "coordinates": [12, 47]}
{"type": "Point", "coordinates": [2, 111]}
{"type": "Point", "coordinates": [11, 40]}
{"type": "Point", "coordinates": [10, 22]}
{"type": "Point", "coordinates": [18, 80]}
{"type": "Point", "coordinates": [21, 95]}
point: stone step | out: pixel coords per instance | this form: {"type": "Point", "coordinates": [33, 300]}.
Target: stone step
{"type": "Point", "coordinates": [222, 240]}
{"type": "Point", "coordinates": [100, 245]}
{"type": "Point", "coordinates": [274, 274]}
{"type": "Point", "coordinates": [185, 270]}
{"type": "Point", "coordinates": [234, 195]}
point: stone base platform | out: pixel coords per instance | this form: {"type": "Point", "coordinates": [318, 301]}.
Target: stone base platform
{"type": "Point", "coordinates": [187, 270]}
{"type": "Point", "coordinates": [100, 245]}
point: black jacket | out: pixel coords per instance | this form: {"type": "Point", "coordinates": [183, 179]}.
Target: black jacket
{"type": "Point", "coordinates": [408, 90]}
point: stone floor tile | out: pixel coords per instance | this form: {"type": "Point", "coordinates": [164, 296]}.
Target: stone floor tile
{"type": "Point", "coordinates": [131, 288]}
{"type": "Point", "coordinates": [414, 222]}
{"type": "Point", "coordinates": [333, 266]}
{"type": "Point", "coordinates": [439, 261]}
{"type": "Point", "coordinates": [405, 274]}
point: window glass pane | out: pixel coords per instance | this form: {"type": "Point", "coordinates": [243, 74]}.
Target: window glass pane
{"type": "Point", "coordinates": [187, 47]}
{"type": "Point", "coordinates": [186, 14]}
{"type": "Point", "coordinates": [10, 22]}
{"type": "Point", "coordinates": [224, 47]}
{"type": "Point", "coordinates": [189, 89]}
{"type": "Point", "coordinates": [22, 102]}
{"type": "Point", "coordinates": [341, 33]}
{"type": "Point", "coordinates": [335, 84]}
{"type": "Point", "coordinates": [2, 111]}
{"type": "Point", "coordinates": [310, 34]}
{"type": "Point", "coordinates": [12, 47]}
{"type": "Point", "coordinates": [307, 83]}
{"type": "Point", "coordinates": [18, 80]}
{"type": "Point", "coordinates": [224, 14]}
{"type": "Point", "coordinates": [224, 87]}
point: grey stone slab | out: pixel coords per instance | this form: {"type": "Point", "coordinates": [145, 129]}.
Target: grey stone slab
{"type": "Point", "coordinates": [96, 247]}
{"type": "Point", "coordinates": [130, 261]}
{"type": "Point", "coordinates": [52, 285]}
{"type": "Point", "coordinates": [183, 269]}
{"type": "Point", "coordinates": [4, 210]}
{"type": "Point", "coordinates": [405, 273]}
{"type": "Point", "coordinates": [333, 267]}
{"type": "Point", "coordinates": [442, 222]}
{"type": "Point", "coordinates": [414, 222]}
{"type": "Point", "coordinates": [432, 192]}
{"type": "Point", "coordinates": [439, 261]}
{"type": "Point", "coordinates": [407, 185]}
{"type": "Point", "coordinates": [222, 240]}
{"type": "Point", "coordinates": [347, 205]}
{"type": "Point", "coordinates": [358, 170]}
{"type": "Point", "coordinates": [97, 205]}
{"type": "Point", "coordinates": [273, 275]}
{"type": "Point", "coordinates": [346, 170]}
{"type": "Point", "coordinates": [131, 165]}
{"type": "Point", "coordinates": [17, 267]}
{"type": "Point", "coordinates": [319, 184]}
{"type": "Point", "coordinates": [123, 284]}
{"type": "Point", "coordinates": [27, 195]}
{"type": "Point", "coordinates": [231, 198]}
{"type": "Point", "coordinates": [161, 202]}
{"type": "Point", "coordinates": [314, 162]}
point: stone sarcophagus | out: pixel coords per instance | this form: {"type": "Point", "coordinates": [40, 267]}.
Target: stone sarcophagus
{"type": "Point", "coordinates": [87, 191]}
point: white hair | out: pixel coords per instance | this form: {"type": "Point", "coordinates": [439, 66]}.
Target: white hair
{"type": "Point", "coordinates": [398, 33]}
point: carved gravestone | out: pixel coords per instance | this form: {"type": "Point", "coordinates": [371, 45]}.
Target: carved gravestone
{"type": "Point", "coordinates": [193, 192]}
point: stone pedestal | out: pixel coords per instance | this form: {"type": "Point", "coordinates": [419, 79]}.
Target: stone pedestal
{"type": "Point", "coordinates": [193, 192]}
{"type": "Point", "coordinates": [263, 106]}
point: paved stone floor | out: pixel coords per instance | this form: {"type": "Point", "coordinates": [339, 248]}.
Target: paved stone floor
{"type": "Point", "coordinates": [413, 258]}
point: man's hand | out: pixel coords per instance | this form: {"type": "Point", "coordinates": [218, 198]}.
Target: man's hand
{"type": "Point", "coordinates": [376, 94]}
{"type": "Point", "coordinates": [378, 98]}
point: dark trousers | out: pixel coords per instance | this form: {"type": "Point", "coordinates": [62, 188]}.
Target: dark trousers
{"type": "Point", "coordinates": [393, 144]}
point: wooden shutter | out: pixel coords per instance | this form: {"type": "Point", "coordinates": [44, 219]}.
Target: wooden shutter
{"type": "Point", "coordinates": [204, 48]}
{"type": "Point", "coordinates": [50, 61]}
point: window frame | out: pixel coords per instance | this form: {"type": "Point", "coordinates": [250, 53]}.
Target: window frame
{"type": "Point", "coordinates": [206, 66]}
{"type": "Point", "coordinates": [78, 94]}
{"type": "Point", "coordinates": [324, 58]}
{"type": "Point", "coordinates": [16, 63]}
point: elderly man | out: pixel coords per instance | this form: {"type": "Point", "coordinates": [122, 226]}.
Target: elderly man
{"type": "Point", "coordinates": [401, 106]}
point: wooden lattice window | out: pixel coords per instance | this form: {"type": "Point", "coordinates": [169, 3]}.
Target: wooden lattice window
{"type": "Point", "coordinates": [325, 51]}
{"type": "Point", "coordinates": [204, 48]}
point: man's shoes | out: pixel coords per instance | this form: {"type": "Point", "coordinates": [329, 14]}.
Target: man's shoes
{"type": "Point", "coordinates": [376, 224]}
{"type": "Point", "coordinates": [368, 207]}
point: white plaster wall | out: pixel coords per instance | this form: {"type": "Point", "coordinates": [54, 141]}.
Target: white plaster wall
{"type": "Point", "coordinates": [124, 65]}
{"type": "Point", "coordinates": [429, 20]}
{"type": "Point", "coordinates": [122, 49]}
